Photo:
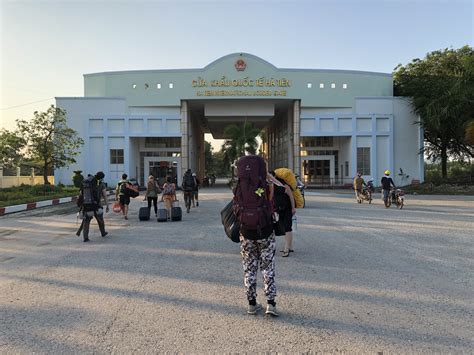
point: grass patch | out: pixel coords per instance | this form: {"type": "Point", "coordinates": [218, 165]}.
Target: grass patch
{"type": "Point", "coordinates": [441, 189]}
{"type": "Point", "coordinates": [18, 195]}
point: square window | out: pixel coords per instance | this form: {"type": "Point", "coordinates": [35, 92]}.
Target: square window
{"type": "Point", "coordinates": [344, 86]}
{"type": "Point", "coordinates": [170, 85]}
{"type": "Point", "coordinates": [310, 85]}
{"type": "Point", "coordinates": [116, 156]}
{"type": "Point", "coordinates": [158, 86]}
{"type": "Point", "coordinates": [333, 85]}
{"type": "Point", "coordinates": [147, 86]}
{"type": "Point", "coordinates": [321, 86]}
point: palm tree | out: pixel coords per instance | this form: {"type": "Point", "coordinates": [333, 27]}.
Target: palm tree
{"type": "Point", "coordinates": [238, 141]}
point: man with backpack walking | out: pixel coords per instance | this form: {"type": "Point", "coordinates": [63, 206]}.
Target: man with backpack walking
{"type": "Point", "coordinates": [122, 196]}
{"type": "Point", "coordinates": [92, 191]}
{"type": "Point", "coordinates": [188, 185]}
{"type": "Point", "coordinates": [253, 208]}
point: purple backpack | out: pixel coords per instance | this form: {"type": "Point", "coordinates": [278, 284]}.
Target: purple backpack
{"type": "Point", "coordinates": [251, 204]}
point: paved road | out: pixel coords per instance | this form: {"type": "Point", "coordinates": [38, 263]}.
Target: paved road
{"type": "Point", "coordinates": [362, 279]}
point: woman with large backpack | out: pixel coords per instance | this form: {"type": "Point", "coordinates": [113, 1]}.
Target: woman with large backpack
{"type": "Point", "coordinates": [253, 208]}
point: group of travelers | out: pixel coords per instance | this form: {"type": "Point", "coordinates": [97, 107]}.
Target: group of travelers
{"type": "Point", "coordinates": [259, 193]}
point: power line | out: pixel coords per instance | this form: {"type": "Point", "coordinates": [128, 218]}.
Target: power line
{"type": "Point", "coordinates": [29, 103]}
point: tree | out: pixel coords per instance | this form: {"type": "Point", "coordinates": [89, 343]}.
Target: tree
{"type": "Point", "coordinates": [11, 148]}
{"type": "Point", "coordinates": [208, 157]}
{"type": "Point", "coordinates": [240, 139]}
{"type": "Point", "coordinates": [441, 87]}
{"type": "Point", "coordinates": [470, 133]}
{"type": "Point", "coordinates": [50, 140]}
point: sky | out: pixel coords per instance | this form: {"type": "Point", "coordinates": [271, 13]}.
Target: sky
{"type": "Point", "coordinates": [46, 46]}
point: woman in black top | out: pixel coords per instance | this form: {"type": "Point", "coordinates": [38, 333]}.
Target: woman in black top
{"type": "Point", "coordinates": [285, 207]}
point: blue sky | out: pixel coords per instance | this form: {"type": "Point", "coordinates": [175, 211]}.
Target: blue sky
{"type": "Point", "coordinates": [46, 46]}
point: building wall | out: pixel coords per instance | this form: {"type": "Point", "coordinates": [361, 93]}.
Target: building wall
{"type": "Point", "coordinates": [140, 87]}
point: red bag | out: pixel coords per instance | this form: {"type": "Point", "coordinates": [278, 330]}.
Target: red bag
{"type": "Point", "coordinates": [117, 208]}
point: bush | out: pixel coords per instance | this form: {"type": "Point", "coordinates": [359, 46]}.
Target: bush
{"type": "Point", "coordinates": [77, 178]}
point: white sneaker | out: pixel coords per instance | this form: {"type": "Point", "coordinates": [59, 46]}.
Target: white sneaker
{"type": "Point", "coordinates": [254, 309]}
{"type": "Point", "coordinates": [271, 310]}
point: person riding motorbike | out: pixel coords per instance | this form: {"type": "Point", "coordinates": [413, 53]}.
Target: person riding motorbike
{"type": "Point", "coordinates": [387, 183]}
{"type": "Point", "coordinates": [358, 183]}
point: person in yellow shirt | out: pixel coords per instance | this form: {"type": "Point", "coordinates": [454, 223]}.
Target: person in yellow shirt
{"type": "Point", "coordinates": [358, 183]}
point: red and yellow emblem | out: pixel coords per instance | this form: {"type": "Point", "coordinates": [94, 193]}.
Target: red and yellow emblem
{"type": "Point", "coordinates": [240, 65]}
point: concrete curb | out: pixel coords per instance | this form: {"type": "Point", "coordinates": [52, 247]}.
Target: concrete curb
{"type": "Point", "coordinates": [34, 205]}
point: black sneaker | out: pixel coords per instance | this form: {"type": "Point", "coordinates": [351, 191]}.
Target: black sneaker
{"type": "Point", "coordinates": [105, 234]}
{"type": "Point", "coordinates": [86, 240]}
{"type": "Point", "coordinates": [197, 204]}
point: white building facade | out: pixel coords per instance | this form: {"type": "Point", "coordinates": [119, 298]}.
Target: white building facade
{"type": "Point", "coordinates": [326, 125]}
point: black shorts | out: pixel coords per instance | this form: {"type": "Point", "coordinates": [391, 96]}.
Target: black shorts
{"type": "Point", "coordinates": [286, 218]}
{"type": "Point", "coordinates": [124, 200]}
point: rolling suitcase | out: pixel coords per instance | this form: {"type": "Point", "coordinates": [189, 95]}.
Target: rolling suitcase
{"type": "Point", "coordinates": [144, 214]}
{"type": "Point", "coordinates": [176, 212]}
{"type": "Point", "coordinates": [162, 212]}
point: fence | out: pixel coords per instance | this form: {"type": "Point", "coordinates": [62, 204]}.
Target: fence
{"type": "Point", "coordinates": [10, 181]}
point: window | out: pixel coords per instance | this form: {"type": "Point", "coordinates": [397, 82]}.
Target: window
{"type": "Point", "coordinates": [158, 86]}
{"type": "Point", "coordinates": [363, 161]}
{"type": "Point", "coordinates": [333, 85]}
{"type": "Point", "coordinates": [344, 86]}
{"type": "Point", "coordinates": [310, 85]}
{"type": "Point", "coordinates": [346, 168]}
{"type": "Point", "coordinates": [116, 156]}
{"type": "Point", "coordinates": [147, 86]}
{"type": "Point", "coordinates": [321, 86]}
{"type": "Point", "coordinates": [163, 142]}
{"type": "Point", "coordinates": [170, 85]}
{"type": "Point", "coordinates": [134, 86]}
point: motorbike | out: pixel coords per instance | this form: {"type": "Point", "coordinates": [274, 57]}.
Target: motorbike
{"type": "Point", "coordinates": [396, 196]}
{"type": "Point", "coordinates": [366, 192]}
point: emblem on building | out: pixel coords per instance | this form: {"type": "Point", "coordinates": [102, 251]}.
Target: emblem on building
{"type": "Point", "coordinates": [240, 65]}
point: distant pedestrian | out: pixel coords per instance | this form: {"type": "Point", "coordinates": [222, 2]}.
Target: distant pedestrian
{"type": "Point", "coordinates": [92, 191]}
{"type": "Point", "coordinates": [196, 190]}
{"type": "Point", "coordinates": [188, 185]}
{"type": "Point", "coordinates": [358, 183]}
{"type": "Point", "coordinates": [152, 191]}
{"type": "Point", "coordinates": [169, 194]}
{"type": "Point", "coordinates": [122, 195]}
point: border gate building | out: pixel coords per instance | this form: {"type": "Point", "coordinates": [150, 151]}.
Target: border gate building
{"type": "Point", "coordinates": [326, 125]}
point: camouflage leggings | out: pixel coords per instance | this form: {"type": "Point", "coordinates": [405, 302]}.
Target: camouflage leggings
{"type": "Point", "coordinates": [254, 252]}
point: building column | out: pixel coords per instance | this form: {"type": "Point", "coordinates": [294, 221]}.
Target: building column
{"type": "Point", "coordinates": [184, 138]}
{"type": "Point", "coordinates": [290, 158]}
{"type": "Point", "coordinates": [296, 138]}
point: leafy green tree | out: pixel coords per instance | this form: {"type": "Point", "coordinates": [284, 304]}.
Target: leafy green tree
{"type": "Point", "coordinates": [12, 145]}
{"type": "Point", "coordinates": [240, 139]}
{"type": "Point", "coordinates": [441, 87]}
{"type": "Point", "coordinates": [50, 140]}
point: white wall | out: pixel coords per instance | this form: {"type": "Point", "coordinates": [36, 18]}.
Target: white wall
{"type": "Point", "coordinates": [78, 111]}
{"type": "Point", "coordinates": [169, 112]}
{"type": "Point", "coordinates": [406, 143]}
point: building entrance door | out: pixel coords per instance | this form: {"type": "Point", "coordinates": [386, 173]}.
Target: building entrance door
{"type": "Point", "coordinates": [160, 168]}
{"type": "Point", "coordinates": [319, 170]}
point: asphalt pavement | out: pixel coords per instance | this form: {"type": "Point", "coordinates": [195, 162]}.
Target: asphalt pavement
{"type": "Point", "coordinates": [362, 279]}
